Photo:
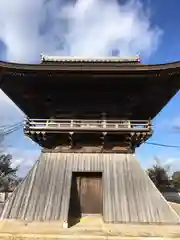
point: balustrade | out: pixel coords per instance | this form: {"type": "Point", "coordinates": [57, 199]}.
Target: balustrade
{"type": "Point", "coordinates": [87, 125]}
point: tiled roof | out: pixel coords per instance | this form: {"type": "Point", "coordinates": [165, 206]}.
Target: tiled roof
{"type": "Point", "coordinates": [45, 58]}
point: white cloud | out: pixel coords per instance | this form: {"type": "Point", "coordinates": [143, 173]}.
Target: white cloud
{"type": "Point", "coordinates": [176, 123]}
{"type": "Point", "coordinates": [83, 28]}
{"type": "Point", "coordinates": [87, 27]}
{"type": "Point", "coordinates": [174, 164]}
{"type": "Point", "coordinates": [171, 164]}
{"type": "Point", "coordinates": [9, 112]}
{"type": "Point", "coordinates": [24, 159]}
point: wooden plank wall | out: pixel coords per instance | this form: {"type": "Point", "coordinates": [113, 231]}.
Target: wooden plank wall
{"type": "Point", "coordinates": [129, 195]}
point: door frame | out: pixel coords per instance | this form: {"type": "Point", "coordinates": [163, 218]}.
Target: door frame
{"type": "Point", "coordinates": [99, 174]}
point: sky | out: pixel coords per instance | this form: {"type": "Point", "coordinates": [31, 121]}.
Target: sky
{"type": "Point", "coordinates": [91, 28]}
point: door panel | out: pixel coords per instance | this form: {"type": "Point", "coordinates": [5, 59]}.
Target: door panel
{"type": "Point", "coordinates": [90, 194]}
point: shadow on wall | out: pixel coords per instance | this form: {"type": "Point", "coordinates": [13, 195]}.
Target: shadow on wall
{"type": "Point", "coordinates": [1, 207]}
{"type": "Point", "coordinates": [74, 214]}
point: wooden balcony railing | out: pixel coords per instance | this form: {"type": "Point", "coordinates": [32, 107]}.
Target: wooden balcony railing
{"type": "Point", "coordinates": [76, 125]}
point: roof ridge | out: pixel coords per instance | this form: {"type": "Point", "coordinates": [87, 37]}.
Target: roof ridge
{"type": "Point", "coordinates": [47, 58]}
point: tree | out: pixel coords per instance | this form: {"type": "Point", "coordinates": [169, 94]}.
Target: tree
{"type": "Point", "coordinates": [8, 175]}
{"type": "Point", "coordinates": [159, 175]}
{"type": "Point", "coordinates": [176, 180]}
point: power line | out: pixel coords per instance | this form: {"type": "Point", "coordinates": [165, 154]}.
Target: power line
{"type": "Point", "coordinates": [162, 145]}
{"type": "Point", "coordinates": [10, 128]}
{"type": "Point", "coordinates": [10, 125]}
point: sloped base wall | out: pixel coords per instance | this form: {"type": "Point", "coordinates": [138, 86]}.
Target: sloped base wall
{"type": "Point", "coordinates": [129, 196]}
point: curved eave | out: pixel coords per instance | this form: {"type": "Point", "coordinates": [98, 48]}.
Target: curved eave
{"type": "Point", "coordinates": [135, 91]}
{"type": "Point", "coordinates": [173, 67]}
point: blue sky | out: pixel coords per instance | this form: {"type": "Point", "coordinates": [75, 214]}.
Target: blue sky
{"type": "Point", "coordinates": [165, 14]}
{"type": "Point", "coordinates": [91, 28]}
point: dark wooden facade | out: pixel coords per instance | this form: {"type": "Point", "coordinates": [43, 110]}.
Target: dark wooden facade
{"type": "Point", "coordinates": [89, 90]}
{"type": "Point", "coordinates": [88, 135]}
{"type": "Point", "coordinates": [80, 89]}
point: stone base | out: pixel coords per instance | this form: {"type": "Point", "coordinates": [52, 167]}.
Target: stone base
{"type": "Point", "coordinates": [90, 228]}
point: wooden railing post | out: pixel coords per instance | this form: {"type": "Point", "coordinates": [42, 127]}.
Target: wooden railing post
{"type": "Point", "coordinates": [109, 125]}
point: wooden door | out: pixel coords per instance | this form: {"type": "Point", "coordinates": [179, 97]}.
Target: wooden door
{"type": "Point", "coordinates": [90, 193]}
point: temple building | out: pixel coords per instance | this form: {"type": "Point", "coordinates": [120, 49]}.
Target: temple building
{"type": "Point", "coordinates": [89, 116]}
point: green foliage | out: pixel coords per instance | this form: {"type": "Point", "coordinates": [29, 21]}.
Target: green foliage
{"type": "Point", "coordinates": [159, 175]}
{"type": "Point", "coordinates": [7, 173]}
{"type": "Point", "coordinates": [176, 180]}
